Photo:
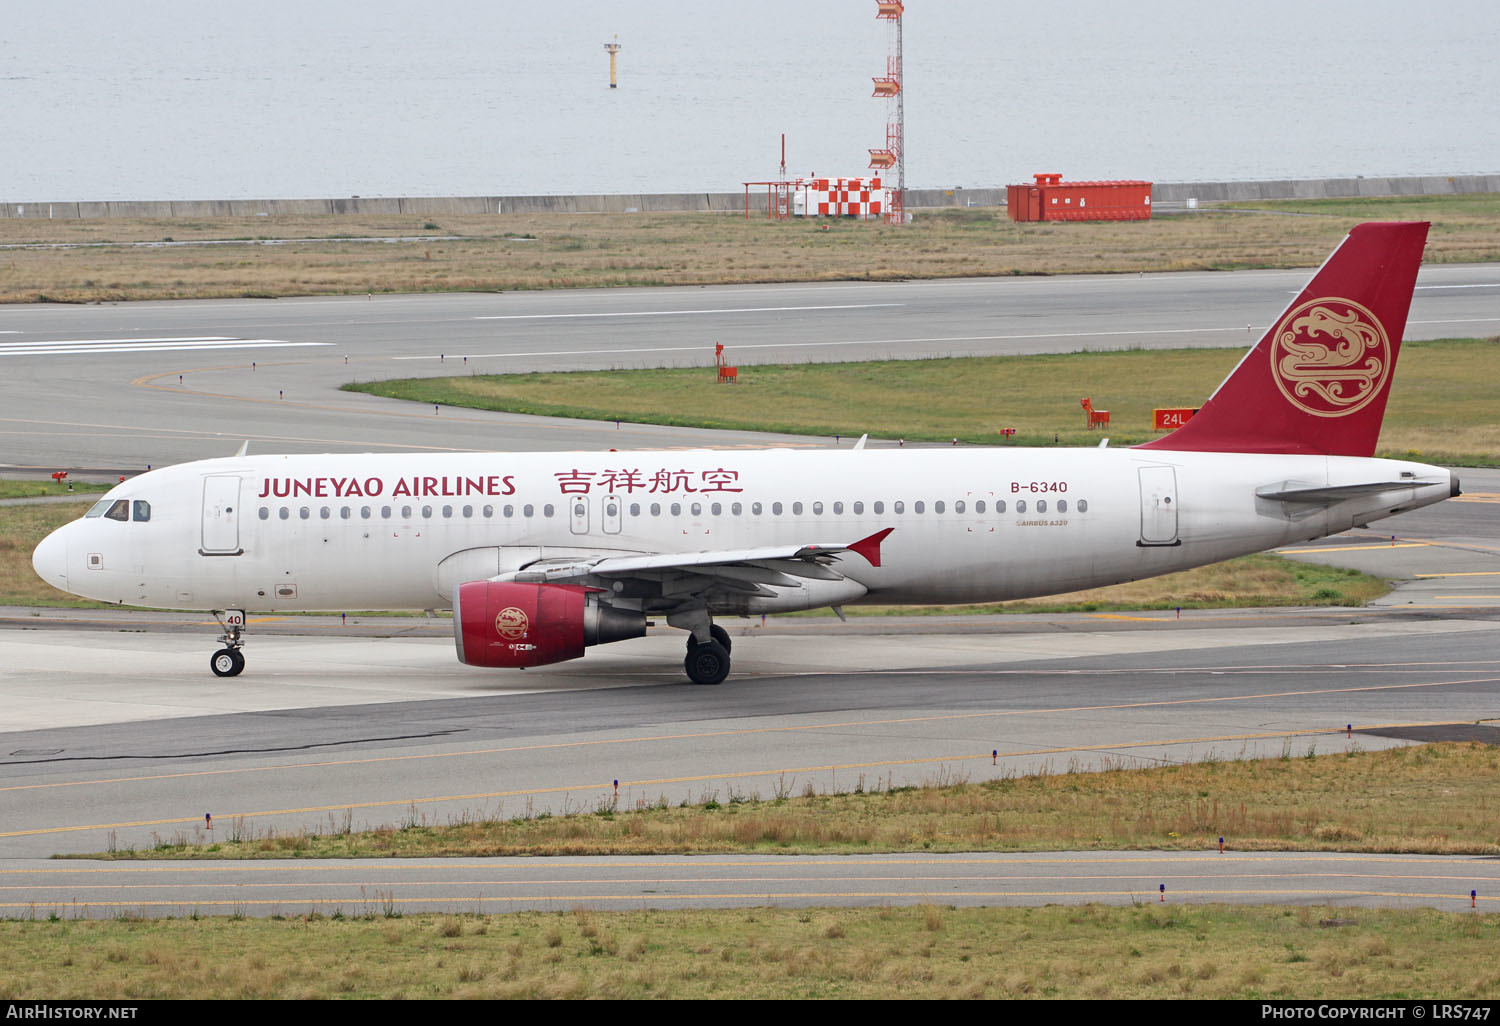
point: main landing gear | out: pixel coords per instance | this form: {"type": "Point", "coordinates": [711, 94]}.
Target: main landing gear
{"type": "Point", "coordinates": [229, 660]}
{"type": "Point", "coordinates": [708, 662]}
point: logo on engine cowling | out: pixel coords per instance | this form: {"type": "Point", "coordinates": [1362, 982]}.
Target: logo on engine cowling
{"type": "Point", "coordinates": [511, 623]}
{"type": "Point", "coordinates": [1330, 357]}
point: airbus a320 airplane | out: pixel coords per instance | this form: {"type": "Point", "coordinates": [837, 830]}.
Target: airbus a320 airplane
{"type": "Point", "coordinates": [541, 555]}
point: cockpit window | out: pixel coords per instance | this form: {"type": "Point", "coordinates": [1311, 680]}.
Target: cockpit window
{"type": "Point", "coordinates": [99, 508]}
{"type": "Point", "coordinates": [140, 511]}
{"type": "Point", "coordinates": [120, 510]}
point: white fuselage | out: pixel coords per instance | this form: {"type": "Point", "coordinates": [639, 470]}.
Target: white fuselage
{"type": "Point", "coordinates": [380, 531]}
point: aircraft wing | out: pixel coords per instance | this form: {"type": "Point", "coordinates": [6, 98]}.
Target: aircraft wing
{"type": "Point", "coordinates": [738, 569]}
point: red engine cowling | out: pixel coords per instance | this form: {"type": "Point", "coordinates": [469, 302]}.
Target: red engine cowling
{"type": "Point", "coordinates": [515, 625]}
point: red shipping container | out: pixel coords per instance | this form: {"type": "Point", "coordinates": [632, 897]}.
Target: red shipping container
{"type": "Point", "coordinates": [1052, 199]}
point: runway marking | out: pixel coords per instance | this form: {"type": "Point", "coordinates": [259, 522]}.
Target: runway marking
{"type": "Point", "coordinates": [1355, 548]}
{"type": "Point", "coordinates": [1477, 497]}
{"type": "Point", "coordinates": [1464, 573]}
{"type": "Point", "coordinates": [1164, 859]}
{"type": "Point", "coordinates": [760, 897]}
{"type": "Point", "coordinates": [74, 347]}
{"type": "Point", "coordinates": [603, 787]}
{"type": "Point", "coordinates": [739, 347]}
{"type": "Point", "coordinates": [522, 880]}
{"type": "Point", "coordinates": [681, 313]}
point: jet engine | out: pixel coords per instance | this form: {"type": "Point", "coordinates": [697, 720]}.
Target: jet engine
{"type": "Point", "coordinates": [507, 624]}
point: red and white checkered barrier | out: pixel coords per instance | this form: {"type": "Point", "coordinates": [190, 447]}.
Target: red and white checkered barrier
{"type": "Point", "coordinates": [840, 197]}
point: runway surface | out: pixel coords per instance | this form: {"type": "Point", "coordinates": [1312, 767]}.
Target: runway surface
{"type": "Point", "coordinates": [98, 386]}
{"type": "Point", "coordinates": [116, 735]}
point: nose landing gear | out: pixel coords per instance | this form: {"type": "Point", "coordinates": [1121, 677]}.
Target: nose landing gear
{"type": "Point", "coordinates": [229, 660]}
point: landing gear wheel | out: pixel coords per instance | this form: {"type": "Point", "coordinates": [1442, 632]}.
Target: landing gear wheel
{"type": "Point", "coordinates": [227, 662]}
{"type": "Point", "coordinates": [707, 664]}
{"type": "Point", "coordinates": [718, 633]}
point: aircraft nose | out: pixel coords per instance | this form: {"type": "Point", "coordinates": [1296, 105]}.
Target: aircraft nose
{"type": "Point", "coordinates": [50, 560]}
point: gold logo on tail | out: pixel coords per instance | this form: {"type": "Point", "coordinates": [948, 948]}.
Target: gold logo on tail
{"type": "Point", "coordinates": [511, 623]}
{"type": "Point", "coordinates": [1330, 357]}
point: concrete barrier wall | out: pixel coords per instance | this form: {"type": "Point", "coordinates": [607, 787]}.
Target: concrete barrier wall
{"type": "Point", "coordinates": [1322, 188]}
{"type": "Point", "coordinates": [1164, 193]}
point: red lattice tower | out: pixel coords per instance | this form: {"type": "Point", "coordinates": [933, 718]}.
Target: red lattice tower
{"type": "Point", "coordinates": [891, 89]}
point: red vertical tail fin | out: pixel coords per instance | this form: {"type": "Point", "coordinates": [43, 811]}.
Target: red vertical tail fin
{"type": "Point", "coordinates": [1317, 381]}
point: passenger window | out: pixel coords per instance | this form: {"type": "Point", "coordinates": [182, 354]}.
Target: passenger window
{"type": "Point", "coordinates": [612, 509]}
{"type": "Point", "coordinates": [1000, 506]}
{"type": "Point", "coordinates": [776, 508]}
{"type": "Point", "coordinates": [385, 512]}
{"type": "Point", "coordinates": [345, 512]}
{"type": "Point", "coordinates": [528, 510]}
{"type": "Point", "coordinates": [1083, 505]}
{"type": "Point", "coordinates": [1020, 505]}
{"type": "Point", "coordinates": [284, 513]}
{"type": "Point", "coordinates": [508, 512]}
{"type": "Point", "coordinates": [755, 508]}
{"type": "Point", "coordinates": [859, 508]}
{"type": "Point", "coordinates": [716, 509]}
{"type": "Point", "coordinates": [324, 512]}
{"type": "Point", "coordinates": [958, 507]}
{"type": "Point", "coordinates": [119, 511]}
{"type": "Point", "coordinates": [468, 512]}
{"type": "Point", "coordinates": [488, 512]}
{"type": "Point", "coordinates": [937, 507]}
{"type": "Point", "coordinates": [656, 509]}
{"type": "Point", "coordinates": [447, 512]}
{"type": "Point", "coordinates": [549, 510]}
{"type": "Point", "coordinates": [979, 506]}
{"type": "Point", "coordinates": [899, 507]}
{"type": "Point", "coordinates": [635, 509]}
{"type": "Point", "coordinates": [879, 507]}
{"type": "Point", "coordinates": [1062, 505]}
{"type": "Point", "coordinates": [818, 508]}
{"type": "Point", "coordinates": [677, 509]}
{"type": "Point", "coordinates": [796, 509]}
{"type": "Point", "coordinates": [141, 511]}
{"type": "Point", "coordinates": [1041, 505]}
{"type": "Point", "coordinates": [736, 508]}
{"type": "Point", "coordinates": [405, 512]}
{"type": "Point", "coordinates": [364, 512]}
{"type": "Point", "coordinates": [304, 512]}
{"type": "Point", "coordinates": [697, 510]}
{"type": "Point", "coordinates": [265, 513]}
{"type": "Point", "coordinates": [918, 506]}
{"type": "Point", "coordinates": [427, 512]}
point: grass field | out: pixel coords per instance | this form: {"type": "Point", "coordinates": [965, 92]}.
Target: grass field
{"type": "Point", "coordinates": [1437, 798]}
{"type": "Point", "coordinates": [1434, 799]}
{"type": "Point", "coordinates": [1442, 406]}
{"type": "Point", "coordinates": [76, 261]}
{"type": "Point", "coordinates": [1147, 950]}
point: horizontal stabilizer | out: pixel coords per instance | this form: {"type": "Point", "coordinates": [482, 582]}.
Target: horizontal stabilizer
{"type": "Point", "coordinates": [1327, 495]}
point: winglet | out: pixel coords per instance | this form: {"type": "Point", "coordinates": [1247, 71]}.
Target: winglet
{"type": "Point", "coordinates": [870, 547]}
